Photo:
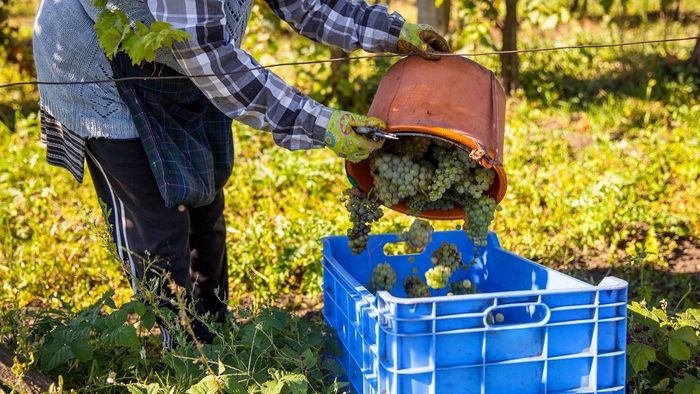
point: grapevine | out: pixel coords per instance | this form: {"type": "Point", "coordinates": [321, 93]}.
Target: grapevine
{"type": "Point", "coordinates": [117, 33]}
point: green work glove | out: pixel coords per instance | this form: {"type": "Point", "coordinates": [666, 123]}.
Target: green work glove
{"type": "Point", "coordinates": [341, 137]}
{"type": "Point", "coordinates": [422, 39]}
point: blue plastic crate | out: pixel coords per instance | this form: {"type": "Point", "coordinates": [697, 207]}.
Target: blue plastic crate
{"type": "Point", "coordinates": [558, 334]}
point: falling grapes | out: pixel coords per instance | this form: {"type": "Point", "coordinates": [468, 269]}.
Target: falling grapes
{"type": "Point", "coordinates": [479, 215]}
{"type": "Point", "coordinates": [383, 278]}
{"type": "Point", "coordinates": [426, 175]}
{"type": "Point", "coordinates": [448, 256]}
{"type": "Point", "coordinates": [415, 288]}
{"type": "Point", "coordinates": [438, 277]}
{"type": "Point", "coordinates": [418, 235]}
{"type": "Point", "coordinates": [460, 287]}
{"type": "Point", "coordinates": [363, 212]}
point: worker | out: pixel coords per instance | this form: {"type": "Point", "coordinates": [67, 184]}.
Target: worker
{"type": "Point", "coordinates": [160, 151]}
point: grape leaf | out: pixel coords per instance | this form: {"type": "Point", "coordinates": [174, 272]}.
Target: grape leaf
{"type": "Point", "coordinates": [55, 355]}
{"type": "Point", "coordinates": [148, 320]}
{"type": "Point", "coordinates": [82, 351]}
{"type": "Point", "coordinates": [138, 307]}
{"type": "Point", "coordinates": [662, 385]}
{"type": "Point", "coordinates": [688, 385]}
{"type": "Point", "coordinates": [208, 385]}
{"type": "Point", "coordinates": [677, 349]}
{"type": "Point", "coordinates": [640, 355]}
{"type": "Point", "coordinates": [139, 388]}
{"type": "Point", "coordinates": [229, 384]}
{"type": "Point", "coordinates": [122, 336]}
{"type": "Point", "coordinates": [116, 319]}
{"type": "Point", "coordinates": [686, 334]}
{"type": "Point", "coordinates": [285, 383]}
{"type": "Point", "coordinates": [110, 33]}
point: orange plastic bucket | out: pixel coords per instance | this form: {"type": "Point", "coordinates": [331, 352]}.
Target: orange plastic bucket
{"type": "Point", "coordinates": [453, 99]}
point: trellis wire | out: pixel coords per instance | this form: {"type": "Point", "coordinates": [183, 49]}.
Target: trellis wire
{"type": "Point", "coordinates": [342, 59]}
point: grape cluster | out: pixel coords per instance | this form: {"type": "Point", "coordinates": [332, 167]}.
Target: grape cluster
{"type": "Point", "coordinates": [363, 212]}
{"type": "Point", "coordinates": [448, 256]}
{"type": "Point", "coordinates": [398, 177]}
{"type": "Point", "coordinates": [461, 287]}
{"type": "Point", "coordinates": [383, 278]}
{"type": "Point", "coordinates": [412, 147]}
{"type": "Point", "coordinates": [439, 205]}
{"type": "Point", "coordinates": [438, 277]}
{"type": "Point", "coordinates": [446, 260]}
{"type": "Point", "coordinates": [479, 215]}
{"type": "Point", "coordinates": [418, 235]}
{"type": "Point", "coordinates": [426, 175]}
{"type": "Point", "coordinates": [475, 182]}
{"type": "Point", "coordinates": [415, 288]}
{"type": "Point", "coordinates": [448, 172]}
{"type": "Point", "coordinates": [415, 205]}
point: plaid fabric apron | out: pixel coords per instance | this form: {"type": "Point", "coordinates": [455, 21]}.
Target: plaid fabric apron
{"type": "Point", "coordinates": [187, 140]}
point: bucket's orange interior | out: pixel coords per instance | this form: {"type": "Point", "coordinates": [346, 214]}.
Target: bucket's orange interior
{"type": "Point", "coordinates": [361, 175]}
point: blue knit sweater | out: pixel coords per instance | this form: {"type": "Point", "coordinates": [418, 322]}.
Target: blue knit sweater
{"type": "Point", "coordinates": [66, 49]}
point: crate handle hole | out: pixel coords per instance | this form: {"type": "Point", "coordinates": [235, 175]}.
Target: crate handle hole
{"type": "Point", "coordinates": [400, 248]}
{"type": "Point", "coordinates": [532, 314]}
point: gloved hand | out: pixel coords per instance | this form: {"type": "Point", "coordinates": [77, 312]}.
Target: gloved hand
{"type": "Point", "coordinates": [422, 39]}
{"type": "Point", "coordinates": [341, 137]}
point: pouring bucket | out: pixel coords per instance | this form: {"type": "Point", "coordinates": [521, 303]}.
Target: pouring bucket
{"type": "Point", "coordinates": [453, 99]}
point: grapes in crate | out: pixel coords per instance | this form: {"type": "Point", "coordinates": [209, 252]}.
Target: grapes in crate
{"type": "Point", "coordinates": [415, 288]}
{"type": "Point", "coordinates": [418, 235]}
{"type": "Point", "coordinates": [363, 212]}
{"type": "Point", "coordinates": [426, 175]}
{"type": "Point", "coordinates": [438, 277]}
{"type": "Point", "coordinates": [383, 278]}
{"type": "Point", "coordinates": [448, 256]}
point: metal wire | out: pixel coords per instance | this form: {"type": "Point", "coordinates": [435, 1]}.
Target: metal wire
{"type": "Point", "coordinates": [342, 59]}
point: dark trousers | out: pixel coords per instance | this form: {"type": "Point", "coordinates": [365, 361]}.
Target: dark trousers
{"type": "Point", "coordinates": [188, 243]}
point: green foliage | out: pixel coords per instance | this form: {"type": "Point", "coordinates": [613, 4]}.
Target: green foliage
{"type": "Point", "coordinates": [115, 34]}
{"type": "Point", "coordinates": [100, 348]}
{"type": "Point", "coordinates": [663, 349]}
{"type": "Point", "coordinates": [601, 156]}
{"type": "Point", "coordinates": [8, 31]}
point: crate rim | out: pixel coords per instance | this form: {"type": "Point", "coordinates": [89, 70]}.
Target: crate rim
{"type": "Point", "coordinates": [607, 283]}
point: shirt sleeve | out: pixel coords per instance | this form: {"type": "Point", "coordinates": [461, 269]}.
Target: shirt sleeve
{"type": "Point", "coordinates": [347, 24]}
{"type": "Point", "coordinates": [256, 97]}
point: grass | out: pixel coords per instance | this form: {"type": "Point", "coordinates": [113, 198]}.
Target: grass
{"type": "Point", "coordinates": [600, 153]}
{"type": "Point", "coordinates": [601, 156]}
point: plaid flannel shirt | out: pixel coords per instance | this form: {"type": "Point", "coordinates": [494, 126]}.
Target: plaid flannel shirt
{"type": "Point", "coordinates": [259, 98]}
{"type": "Point", "coordinates": [191, 162]}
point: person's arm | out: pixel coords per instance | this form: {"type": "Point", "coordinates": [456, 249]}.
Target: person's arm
{"type": "Point", "coordinates": [346, 24]}
{"type": "Point", "coordinates": [256, 97]}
